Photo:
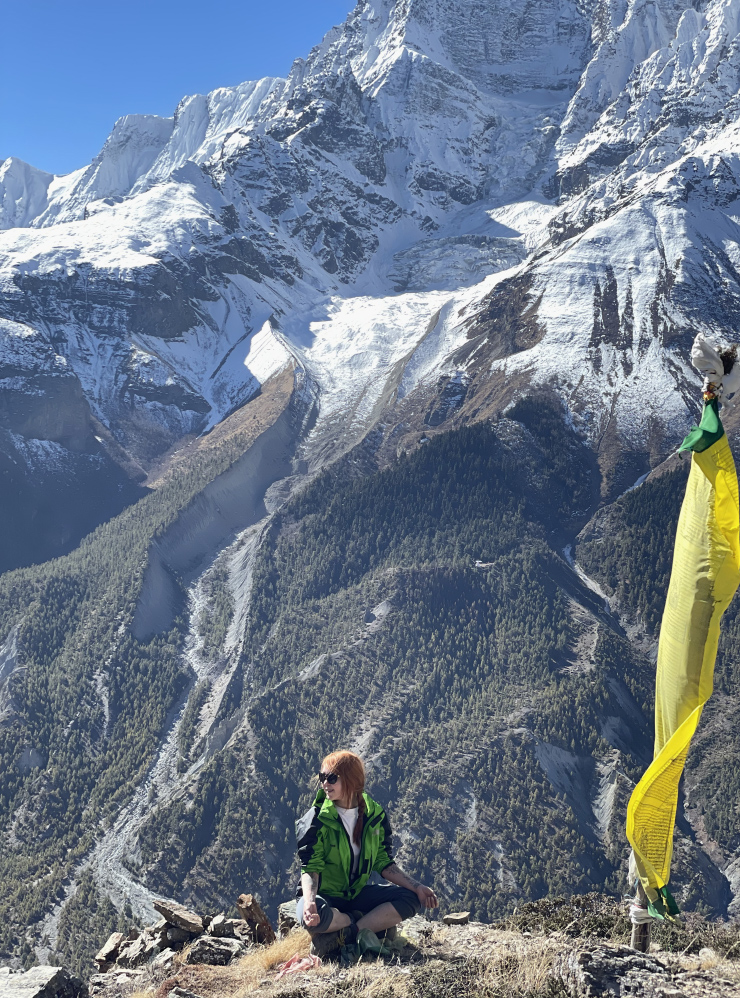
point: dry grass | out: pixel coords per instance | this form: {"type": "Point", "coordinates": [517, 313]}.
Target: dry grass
{"type": "Point", "coordinates": [252, 971]}
{"type": "Point", "coordinates": [254, 965]}
{"type": "Point", "coordinates": [522, 964]}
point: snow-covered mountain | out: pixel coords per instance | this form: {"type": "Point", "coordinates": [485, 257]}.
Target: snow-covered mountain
{"type": "Point", "coordinates": [454, 193]}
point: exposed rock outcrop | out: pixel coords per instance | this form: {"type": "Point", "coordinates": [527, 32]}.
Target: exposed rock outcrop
{"type": "Point", "coordinates": [216, 951]}
{"type": "Point", "coordinates": [42, 982]}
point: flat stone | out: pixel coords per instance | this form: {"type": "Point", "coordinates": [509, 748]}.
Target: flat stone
{"type": "Point", "coordinates": [218, 952]}
{"type": "Point", "coordinates": [110, 949]}
{"type": "Point", "coordinates": [42, 982]}
{"type": "Point", "coordinates": [134, 953]}
{"type": "Point", "coordinates": [183, 993]}
{"type": "Point", "coordinates": [457, 918]}
{"type": "Point", "coordinates": [178, 915]}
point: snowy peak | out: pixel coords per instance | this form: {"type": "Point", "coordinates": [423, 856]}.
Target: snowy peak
{"type": "Point", "coordinates": [203, 124]}
{"type": "Point", "coordinates": [498, 47]}
{"type": "Point", "coordinates": [502, 47]}
{"type": "Point", "coordinates": [141, 150]}
{"type": "Point", "coordinates": [23, 192]}
{"type": "Point", "coordinates": [663, 79]}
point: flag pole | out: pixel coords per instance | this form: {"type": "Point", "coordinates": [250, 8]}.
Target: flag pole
{"type": "Point", "coordinates": [641, 921]}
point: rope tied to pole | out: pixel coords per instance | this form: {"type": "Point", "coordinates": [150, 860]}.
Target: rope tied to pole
{"type": "Point", "coordinates": [639, 915]}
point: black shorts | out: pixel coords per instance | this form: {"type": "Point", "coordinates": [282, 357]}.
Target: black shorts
{"type": "Point", "coordinates": [371, 896]}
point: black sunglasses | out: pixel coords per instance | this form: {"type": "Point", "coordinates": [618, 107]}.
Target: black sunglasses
{"type": "Point", "coordinates": [330, 778]}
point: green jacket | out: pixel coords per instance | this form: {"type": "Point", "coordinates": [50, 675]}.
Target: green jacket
{"type": "Point", "coordinates": [324, 846]}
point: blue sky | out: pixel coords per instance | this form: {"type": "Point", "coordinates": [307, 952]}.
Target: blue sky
{"type": "Point", "coordinates": [70, 68]}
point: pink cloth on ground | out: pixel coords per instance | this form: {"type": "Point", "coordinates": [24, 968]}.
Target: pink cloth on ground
{"type": "Point", "coordinates": [296, 964]}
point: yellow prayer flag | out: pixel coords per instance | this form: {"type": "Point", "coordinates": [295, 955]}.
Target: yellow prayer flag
{"type": "Point", "coordinates": [704, 578]}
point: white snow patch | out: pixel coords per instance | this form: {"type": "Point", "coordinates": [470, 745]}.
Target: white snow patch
{"type": "Point", "coordinates": [267, 354]}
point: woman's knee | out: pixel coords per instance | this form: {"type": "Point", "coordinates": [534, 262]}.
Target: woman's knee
{"type": "Point", "coordinates": [324, 911]}
{"type": "Point", "coordinates": [406, 903]}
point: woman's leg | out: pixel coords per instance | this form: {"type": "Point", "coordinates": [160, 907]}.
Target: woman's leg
{"type": "Point", "coordinates": [330, 918]}
{"type": "Point", "coordinates": [385, 906]}
{"type": "Point", "coordinates": [382, 917]}
{"type": "Point", "coordinates": [340, 920]}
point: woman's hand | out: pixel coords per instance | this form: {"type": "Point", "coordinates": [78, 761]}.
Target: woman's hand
{"type": "Point", "coordinates": [310, 914]}
{"type": "Point", "coordinates": [427, 896]}
{"type": "Point", "coordinates": [309, 886]}
{"type": "Point", "coordinates": [394, 875]}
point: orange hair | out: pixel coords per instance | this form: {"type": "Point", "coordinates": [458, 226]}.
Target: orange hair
{"type": "Point", "coordinates": [351, 769]}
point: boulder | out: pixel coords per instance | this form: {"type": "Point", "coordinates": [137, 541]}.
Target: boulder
{"type": "Point", "coordinates": [216, 925]}
{"type": "Point", "coordinates": [177, 914]}
{"type": "Point", "coordinates": [457, 918]}
{"type": "Point", "coordinates": [614, 971]}
{"type": "Point", "coordinates": [287, 917]}
{"type": "Point", "coordinates": [209, 949]}
{"type": "Point", "coordinates": [121, 976]}
{"type": "Point", "coordinates": [230, 928]}
{"type": "Point", "coordinates": [109, 985]}
{"type": "Point", "coordinates": [165, 959]}
{"type": "Point", "coordinates": [175, 936]}
{"type": "Point", "coordinates": [134, 953]}
{"type": "Point", "coordinates": [99, 983]}
{"type": "Point", "coordinates": [108, 952]}
{"type": "Point", "coordinates": [42, 982]}
{"type": "Point", "coordinates": [151, 948]}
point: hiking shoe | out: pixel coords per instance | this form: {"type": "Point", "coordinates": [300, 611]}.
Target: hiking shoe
{"type": "Point", "coordinates": [349, 955]}
{"type": "Point", "coordinates": [348, 935]}
{"type": "Point", "coordinates": [388, 935]}
{"type": "Point", "coordinates": [324, 943]}
{"type": "Point", "coordinates": [369, 943]}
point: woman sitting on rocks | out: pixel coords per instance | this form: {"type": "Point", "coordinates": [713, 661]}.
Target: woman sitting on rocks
{"type": "Point", "coordinates": [342, 839]}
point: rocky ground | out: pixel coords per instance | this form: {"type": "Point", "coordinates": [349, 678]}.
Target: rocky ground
{"type": "Point", "coordinates": [561, 948]}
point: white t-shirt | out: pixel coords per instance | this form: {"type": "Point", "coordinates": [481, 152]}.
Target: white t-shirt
{"type": "Point", "coordinates": [348, 817]}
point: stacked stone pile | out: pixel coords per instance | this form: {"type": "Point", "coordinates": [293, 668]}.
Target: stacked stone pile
{"type": "Point", "coordinates": [213, 939]}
